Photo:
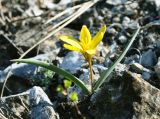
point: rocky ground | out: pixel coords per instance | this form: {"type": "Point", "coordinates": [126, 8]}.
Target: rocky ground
{"type": "Point", "coordinates": [132, 91]}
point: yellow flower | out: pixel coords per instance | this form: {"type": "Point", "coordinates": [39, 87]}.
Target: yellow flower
{"type": "Point", "coordinates": [87, 45]}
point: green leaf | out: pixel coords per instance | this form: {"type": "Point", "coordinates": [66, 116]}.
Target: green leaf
{"type": "Point", "coordinates": [67, 83]}
{"type": "Point", "coordinates": [57, 70]}
{"type": "Point", "coordinates": [73, 96]}
{"type": "Point", "coordinates": [59, 88]}
{"type": "Point", "coordinates": [106, 73]}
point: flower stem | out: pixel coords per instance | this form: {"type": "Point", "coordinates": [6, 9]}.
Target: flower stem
{"type": "Point", "coordinates": [91, 73]}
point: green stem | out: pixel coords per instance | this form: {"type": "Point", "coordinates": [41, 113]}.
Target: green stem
{"type": "Point", "coordinates": [91, 73]}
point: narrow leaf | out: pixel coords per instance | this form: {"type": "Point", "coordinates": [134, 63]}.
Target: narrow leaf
{"type": "Point", "coordinates": [106, 73]}
{"type": "Point", "coordinates": [56, 70]}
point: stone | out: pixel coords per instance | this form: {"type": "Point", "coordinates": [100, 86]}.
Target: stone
{"type": "Point", "coordinates": [120, 68]}
{"type": "Point", "coordinates": [116, 19]}
{"type": "Point", "coordinates": [116, 2]}
{"type": "Point", "coordinates": [122, 39]}
{"type": "Point", "coordinates": [136, 67]}
{"type": "Point", "coordinates": [132, 59]}
{"type": "Point", "coordinates": [41, 106]}
{"type": "Point", "coordinates": [146, 75]}
{"type": "Point", "coordinates": [157, 68]}
{"type": "Point", "coordinates": [149, 58]}
{"type": "Point", "coordinates": [72, 62]}
{"type": "Point", "coordinates": [24, 70]}
{"type": "Point", "coordinates": [128, 23]}
{"type": "Point", "coordinates": [126, 97]}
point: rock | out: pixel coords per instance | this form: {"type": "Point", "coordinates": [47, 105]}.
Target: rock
{"type": "Point", "coordinates": [116, 2]}
{"type": "Point", "coordinates": [111, 30]}
{"type": "Point", "coordinates": [15, 106]}
{"type": "Point", "coordinates": [149, 58]}
{"type": "Point", "coordinates": [122, 39]}
{"type": "Point", "coordinates": [146, 75]}
{"type": "Point", "coordinates": [128, 97]}
{"type": "Point", "coordinates": [102, 50]}
{"type": "Point", "coordinates": [136, 67]}
{"type": "Point", "coordinates": [72, 62]}
{"type": "Point", "coordinates": [116, 19]}
{"type": "Point", "coordinates": [107, 62]}
{"type": "Point", "coordinates": [132, 59]}
{"type": "Point", "coordinates": [157, 2]}
{"type": "Point", "coordinates": [157, 68]}
{"type": "Point", "coordinates": [41, 106]}
{"type": "Point", "coordinates": [24, 70]}
{"type": "Point", "coordinates": [97, 69]}
{"type": "Point", "coordinates": [120, 68]}
{"type": "Point", "coordinates": [127, 23]}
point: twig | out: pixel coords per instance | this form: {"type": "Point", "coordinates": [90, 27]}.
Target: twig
{"type": "Point", "coordinates": [5, 81]}
{"type": "Point", "coordinates": [16, 95]}
{"type": "Point", "coordinates": [62, 13]}
{"type": "Point", "coordinates": [9, 40]}
{"type": "Point", "coordinates": [84, 7]}
{"type": "Point", "coordinates": [23, 104]}
{"type": "Point", "coordinates": [2, 116]}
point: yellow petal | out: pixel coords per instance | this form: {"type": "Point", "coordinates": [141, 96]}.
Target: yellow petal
{"type": "Point", "coordinates": [71, 41]}
{"type": "Point", "coordinates": [91, 52]}
{"type": "Point", "coordinates": [70, 47]}
{"type": "Point", "coordinates": [85, 36]}
{"type": "Point", "coordinates": [98, 37]}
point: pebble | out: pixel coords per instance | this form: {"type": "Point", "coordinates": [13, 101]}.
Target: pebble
{"type": "Point", "coordinates": [146, 75]}
{"type": "Point", "coordinates": [157, 68]}
{"type": "Point", "coordinates": [122, 39]}
{"type": "Point", "coordinates": [149, 58]}
{"type": "Point", "coordinates": [72, 62]}
{"type": "Point", "coordinates": [132, 59]}
{"type": "Point", "coordinates": [136, 67]}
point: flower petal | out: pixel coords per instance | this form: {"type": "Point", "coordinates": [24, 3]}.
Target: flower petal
{"type": "Point", "coordinates": [98, 37]}
{"type": "Point", "coordinates": [71, 41]}
{"type": "Point", "coordinates": [91, 52]}
{"type": "Point", "coordinates": [70, 47]}
{"type": "Point", "coordinates": [85, 36]}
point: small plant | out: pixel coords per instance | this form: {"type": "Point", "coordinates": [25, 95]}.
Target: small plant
{"type": "Point", "coordinates": [73, 96]}
{"type": "Point", "coordinates": [43, 78]}
{"type": "Point", "coordinates": [87, 47]}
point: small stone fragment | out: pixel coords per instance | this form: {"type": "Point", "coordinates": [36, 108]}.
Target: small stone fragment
{"type": "Point", "coordinates": [157, 68]}
{"type": "Point", "coordinates": [149, 58]}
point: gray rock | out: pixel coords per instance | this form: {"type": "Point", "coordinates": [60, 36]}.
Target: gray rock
{"type": "Point", "coordinates": [107, 62]}
{"type": "Point", "coordinates": [72, 62]}
{"type": "Point", "coordinates": [157, 2]}
{"type": "Point", "coordinates": [122, 39]}
{"type": "Point", "coordinates": [136, 67]}
{"type": "Point", "coordinates": [116, 2]}
{"type": "Point", "coordinates": [25, 70]}
{"type": "Point", "coordinates": [132, 59]}
{"type": "Point", "coordinates": [41, 106]}
{"type": "Point", "coordinates": [146, 75]}
{"type": "Point", "coordinates": [120, 68]}
{"type": "Point", "coordinates": [127, 23]}
{"type": "Point", "coordinates": [149, 58]}
{"type": "Point", "coordinates": [157, 68]}
{"type": "Point", "coordinates": [111, 30]}
{"type": "Point", "coordinates": [126, 97]}
{"type": "Point", "coordinates": [103, 49]}
{"type": "Point", "coordinates": [116, 19]}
